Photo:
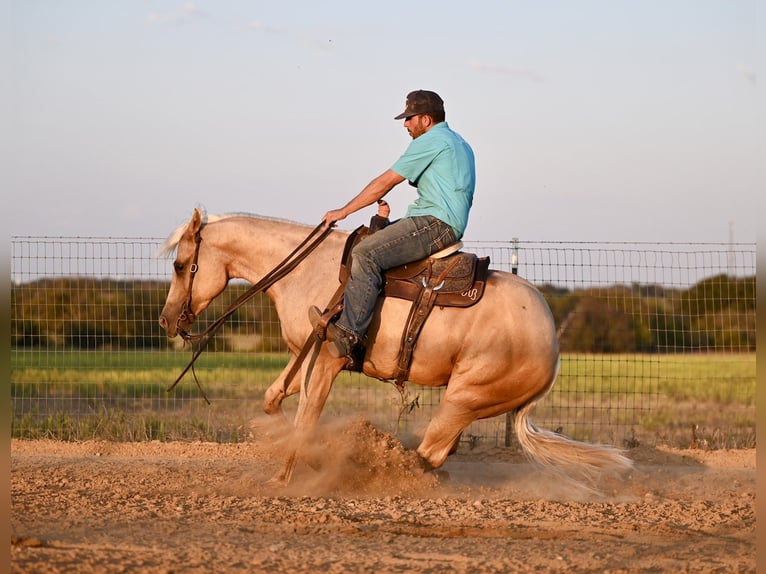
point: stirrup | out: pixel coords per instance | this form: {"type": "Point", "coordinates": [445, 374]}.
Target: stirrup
{"type": "Point", "coordinates": [321, 321]}
{"type": "Point", "coordinates": [343, 346]}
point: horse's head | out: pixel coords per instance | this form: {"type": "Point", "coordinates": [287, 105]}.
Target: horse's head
{"type": "Point", "coordinates": [199, 276]}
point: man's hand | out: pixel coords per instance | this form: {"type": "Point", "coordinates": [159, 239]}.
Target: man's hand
{"type": "Point", "coordinates": [332, 217]}
{"type": "Point", "coordinates": [384, 210]}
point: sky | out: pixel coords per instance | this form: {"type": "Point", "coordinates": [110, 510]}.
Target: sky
{"type": "Point", "coordinates": [590, 120]}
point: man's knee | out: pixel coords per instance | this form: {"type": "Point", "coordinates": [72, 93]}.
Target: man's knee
{"type": "Point", "coordinates": [363, 260]}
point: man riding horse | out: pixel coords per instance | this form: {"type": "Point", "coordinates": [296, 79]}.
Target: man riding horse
{"type": "Point", "coordinates": [439, 163]}
{"type": "Point", "coordinates": [494, 357]}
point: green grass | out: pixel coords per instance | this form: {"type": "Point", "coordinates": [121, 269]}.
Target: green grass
{"type": "Point", "coordinates": [657, 398]}
{"type": "Point", "coordinates": [75, 395]}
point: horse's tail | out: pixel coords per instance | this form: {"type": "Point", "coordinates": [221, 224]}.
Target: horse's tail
{"type": "Point", "coordinates": [565, 454]}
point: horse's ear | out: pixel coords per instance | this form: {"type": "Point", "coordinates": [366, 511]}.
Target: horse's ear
{"type": "Point", "coordinates": [196, 221]}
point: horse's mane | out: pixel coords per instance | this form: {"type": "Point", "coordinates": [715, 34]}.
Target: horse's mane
{"type": "Point", "coordinates": [167, 248]}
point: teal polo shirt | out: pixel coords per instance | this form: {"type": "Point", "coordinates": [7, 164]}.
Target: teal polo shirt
{"type": "Point", "coordinates": [440, 164]}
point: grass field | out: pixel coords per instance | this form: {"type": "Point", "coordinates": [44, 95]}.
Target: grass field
{"type": "Point", "coordinates": [706, 399]}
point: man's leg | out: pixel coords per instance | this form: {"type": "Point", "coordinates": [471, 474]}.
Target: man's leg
{"type": "Point", "coordinates": [401, 242]}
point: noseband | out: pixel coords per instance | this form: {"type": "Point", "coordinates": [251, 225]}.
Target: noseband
{"type": "Point", "coordinates": [186, 311]}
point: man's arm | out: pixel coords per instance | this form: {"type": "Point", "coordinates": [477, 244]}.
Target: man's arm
{"type": "Point", "coordinates": [372, 192]}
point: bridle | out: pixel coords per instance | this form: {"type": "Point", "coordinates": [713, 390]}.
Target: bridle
{"type": "Point", "coordinates": [186, 313]}
{"type": "Point", "coordinates": [289, 263]}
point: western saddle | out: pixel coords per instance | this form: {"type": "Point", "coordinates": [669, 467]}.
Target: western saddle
{"type": "Point", "coordinates": [448, 278]}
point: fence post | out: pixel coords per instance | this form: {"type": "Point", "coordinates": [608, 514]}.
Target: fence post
{"type": "Point", "coordinates": [515, 271]}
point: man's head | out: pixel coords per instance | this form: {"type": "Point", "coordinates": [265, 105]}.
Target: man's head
{"type": "Point", "coordinates": [422, 110]}
{"type": "Point", "coordinates": [423, 102]}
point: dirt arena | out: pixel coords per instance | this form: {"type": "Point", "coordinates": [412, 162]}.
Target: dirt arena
{"type": "Point", "coordinates": [199, 507]}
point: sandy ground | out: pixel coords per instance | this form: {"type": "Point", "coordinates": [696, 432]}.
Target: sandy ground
{"type": "Point", "coordinates": [199, 507]}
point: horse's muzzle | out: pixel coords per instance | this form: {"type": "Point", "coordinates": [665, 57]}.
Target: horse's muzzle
{"type": "Point", "coordinates": [165, 324]}
{"type": "Point", "coordinates": [182, 324]}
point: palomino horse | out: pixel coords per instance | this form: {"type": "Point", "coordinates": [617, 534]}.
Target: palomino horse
{"type": "Point", "coordinates": [500, 355]}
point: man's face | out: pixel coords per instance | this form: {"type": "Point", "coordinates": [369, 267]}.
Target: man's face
{"type": "Point", "coordinates": [416, 125]}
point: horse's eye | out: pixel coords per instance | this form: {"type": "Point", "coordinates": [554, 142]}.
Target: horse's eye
{"type": "Point", "coordinates": [178, 266]}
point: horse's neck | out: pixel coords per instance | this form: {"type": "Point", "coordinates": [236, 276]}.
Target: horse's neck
{"type": "Point", "coordinates": [255, 247]}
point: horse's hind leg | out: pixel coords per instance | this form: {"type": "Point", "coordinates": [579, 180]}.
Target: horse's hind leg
{"type": "Point", "coordinates": [443, 432]}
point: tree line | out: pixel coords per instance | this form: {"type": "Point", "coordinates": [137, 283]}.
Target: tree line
{"type": "Point", "coordinates": [716, 314]}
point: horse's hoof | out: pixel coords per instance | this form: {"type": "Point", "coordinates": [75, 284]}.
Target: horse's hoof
{"type": "Point", "coordinates": [276, 482]}
{"type": "Point", "coordinates": [441, 475]}
{"type": "Point", "coordinates": [283, 477]}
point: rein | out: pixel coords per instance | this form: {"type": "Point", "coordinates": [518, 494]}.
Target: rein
{"type": "Point", "coordinates": [290, 262]}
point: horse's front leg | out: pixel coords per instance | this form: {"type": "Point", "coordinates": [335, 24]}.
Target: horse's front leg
{"type": "Point", "coordinates": [315, 389]}
{"type": "Point", "coordinates": [285, 385]}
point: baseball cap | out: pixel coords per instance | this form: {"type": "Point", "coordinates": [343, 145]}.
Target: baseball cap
{"type": "Point", "coordinates": [421, 102]}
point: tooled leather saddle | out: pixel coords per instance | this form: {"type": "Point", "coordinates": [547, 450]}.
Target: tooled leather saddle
{"type": "Point", "coordinates": [449, 278]}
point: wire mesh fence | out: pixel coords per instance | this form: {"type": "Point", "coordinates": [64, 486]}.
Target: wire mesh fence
{"type": "Point", "coordinates": [658, 345]}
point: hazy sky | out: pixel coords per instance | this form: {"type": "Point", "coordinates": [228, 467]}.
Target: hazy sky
{"type": "Point", "coordinates": [590, 120]}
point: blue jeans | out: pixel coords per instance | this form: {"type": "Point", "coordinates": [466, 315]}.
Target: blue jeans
{"type": "Point", "coordinates": [403, 241]}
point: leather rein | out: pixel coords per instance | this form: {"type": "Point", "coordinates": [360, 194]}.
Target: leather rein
{"type": "Point", "coordinates": [290, 262]}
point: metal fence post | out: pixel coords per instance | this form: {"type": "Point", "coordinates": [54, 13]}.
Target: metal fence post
{"type": "Point", "coordinates": [515, 271]}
